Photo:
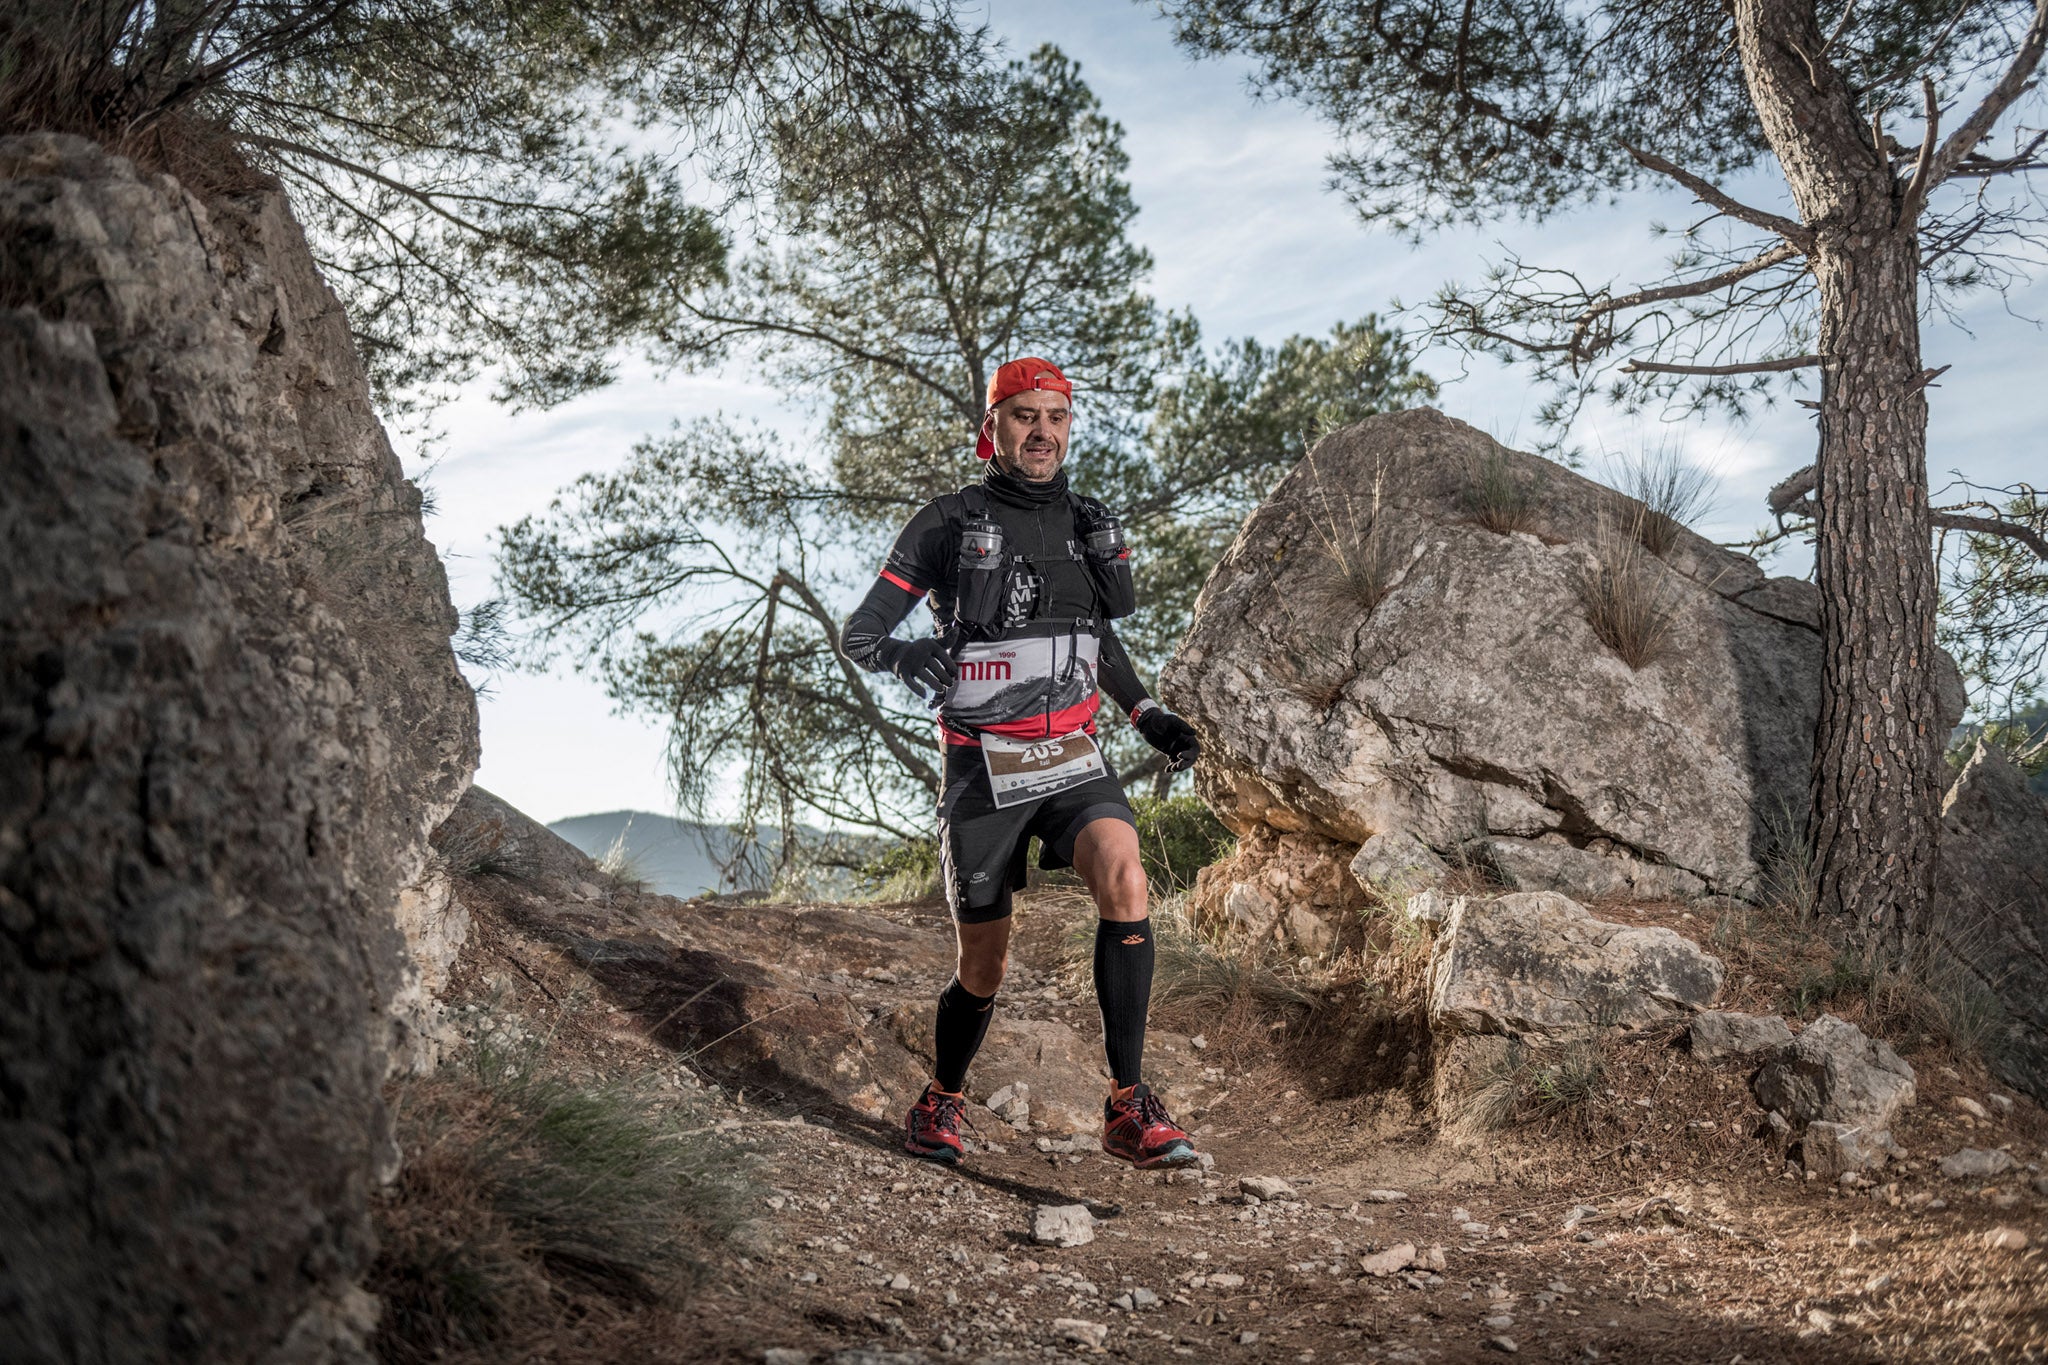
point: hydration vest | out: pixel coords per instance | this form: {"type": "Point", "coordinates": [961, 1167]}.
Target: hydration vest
{"type": "Point", "coordinates": [1023, 674]}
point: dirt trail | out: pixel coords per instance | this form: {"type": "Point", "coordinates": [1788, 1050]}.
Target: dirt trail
{"type": "Point", "coordinates": [804, 1024]}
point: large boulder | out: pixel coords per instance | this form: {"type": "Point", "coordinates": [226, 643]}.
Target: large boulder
{"type": "Point", "coordinates": [1833, 1073]}
{"type": "Point", "coordinates": [1537, 965]}
{"type": "Point", "coordinates": [1369, 658]}
{"type": "Point", "coordinates": [229, 717]}
{"type": "Point", "coordinates": [1992, 905]}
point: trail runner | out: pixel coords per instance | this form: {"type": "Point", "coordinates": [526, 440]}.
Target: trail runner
{"type": "Point", "coordinates": [1024, 577]}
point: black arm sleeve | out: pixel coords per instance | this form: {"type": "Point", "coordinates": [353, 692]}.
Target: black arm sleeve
{"type": "Point", "coordinates": [918, 563]}
{"type": "Point", "coordinates": [865, 639]}
{"type": "Point", "coordinates": [1119, 675]}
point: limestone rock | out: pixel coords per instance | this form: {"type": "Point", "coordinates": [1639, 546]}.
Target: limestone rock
{"type": "Point", "coordinates": [1397, 864]}
{"type": "Point", "coordinates": [1062, 1225]}
{"type": "Point", "coordinates": [1471, 697]}
{"type": "Point", "coordinates": [1724, 1035]}
{"type": "Point", "coordinates": [1832, 1072]}
{"type": "Point", "coordinates": [1830, 1150]}
{"type": "Point", "coordinates": [1976, 1164]}
{"type": "Point", "coordinates": [1080, 1331]}
{"type": "Point", "coordinates": [1993, 890]}
{"type": "Point", "coordinates": [1536, 964]}
{"type": "Point", "coordinates": [1266, 1187]}
{"type": "Point", "coordinates": [229, 716]}
{"type": "Point", "coordinates": [1392, 1261]}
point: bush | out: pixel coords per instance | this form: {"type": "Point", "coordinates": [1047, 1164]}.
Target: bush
{"type": "Point", "coordinates": [1178, 836]}
{"type": "Point", "coordinates": [906, 871]}
{"type": "Point", "coordinates": [524, 1192]}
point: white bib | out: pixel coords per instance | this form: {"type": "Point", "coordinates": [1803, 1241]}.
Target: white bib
{"type": "Point", "coordinates": [1022, 770]}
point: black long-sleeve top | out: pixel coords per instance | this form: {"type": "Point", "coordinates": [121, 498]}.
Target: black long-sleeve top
{"type": "Point", "coordinates": [1038, 523]}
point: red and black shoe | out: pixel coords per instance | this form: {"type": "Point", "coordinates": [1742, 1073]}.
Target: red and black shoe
{"type": "Point", "coordinates": [932, 1129]}
{"type": "Point", "coordinates": [1137, 1128]}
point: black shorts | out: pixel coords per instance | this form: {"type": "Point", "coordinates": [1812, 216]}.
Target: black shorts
{"type": "Point", "coordinates": [982, 850]}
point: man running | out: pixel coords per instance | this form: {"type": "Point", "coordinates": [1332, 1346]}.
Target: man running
{"type": "Point", "coordinates": [1023, 577]}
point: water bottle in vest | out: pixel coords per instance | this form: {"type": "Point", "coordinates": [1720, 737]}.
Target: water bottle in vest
{"type": "Point", "coordinates": [1109, 561]}
{"type": "Point", "coordinates": [979, 607]}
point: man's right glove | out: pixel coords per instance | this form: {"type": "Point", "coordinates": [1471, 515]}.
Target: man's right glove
{"type": "Point", "coordinates": [924, 664]}
{"type": "Point", "coordinates": [1170, 735]}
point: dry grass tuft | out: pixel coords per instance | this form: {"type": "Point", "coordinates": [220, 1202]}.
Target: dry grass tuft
{"type": "Point", "coordinates": [1357, 539]}
{"type": "Point", "coordinates": [1495, 496]}
{"type": "Point", "coordinates": [1529, 1084]}
{"type": "Point", "coordinates": [531, 1202]}
{"type": "Point", "coordinates": [1667, 495]}
{"type": "Point", "coordinates": [1629, 596]}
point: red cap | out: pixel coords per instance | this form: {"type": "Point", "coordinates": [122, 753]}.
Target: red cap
{"type": "Point", "coordinates": [1019, 376]}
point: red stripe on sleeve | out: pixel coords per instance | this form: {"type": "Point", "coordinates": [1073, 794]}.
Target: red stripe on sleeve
{"type": "Point", "coordinates": [907, 587]}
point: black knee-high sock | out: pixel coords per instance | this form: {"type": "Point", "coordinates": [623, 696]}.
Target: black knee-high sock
{"type": "Point", "coordinates": [963, 1023]}
{"type": "Point", "coordinates": [1123, 987]}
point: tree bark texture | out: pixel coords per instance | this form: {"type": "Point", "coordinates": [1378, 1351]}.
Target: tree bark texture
{"type": "Point", "coordinates": [1877, 769]}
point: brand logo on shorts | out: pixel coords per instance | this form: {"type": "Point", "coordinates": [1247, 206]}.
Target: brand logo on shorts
{"type": "Point", "coordinates": [978, 877]}
{"type": "Point", "coordinates": [1134, 940]}
{"type": "Point", "coordinates": [990, 670]}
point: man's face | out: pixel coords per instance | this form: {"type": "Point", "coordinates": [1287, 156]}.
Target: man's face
{"type": "Point", "coordinates": [1031, 434]}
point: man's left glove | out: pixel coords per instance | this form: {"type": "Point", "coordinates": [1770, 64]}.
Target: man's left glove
{"type": "Point", "coordinates": [1170, 735]}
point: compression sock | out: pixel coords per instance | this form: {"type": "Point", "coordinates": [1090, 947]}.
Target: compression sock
{"type": "Point", "coordinates": [963, 1023]}
{"type": "Point", "coordinates": [1123, 988]}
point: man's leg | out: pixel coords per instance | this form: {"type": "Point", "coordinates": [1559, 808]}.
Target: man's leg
{"type": "Point", "coordinates": [1106, 856]}
{"type": "Point", "coordinates": [1135, 1124]}
{"type": "Point", "coordinates": [967, 1003]}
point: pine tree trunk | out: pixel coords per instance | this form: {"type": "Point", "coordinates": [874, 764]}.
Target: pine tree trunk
{"type": "Point", "coordinates": [1877, 752]}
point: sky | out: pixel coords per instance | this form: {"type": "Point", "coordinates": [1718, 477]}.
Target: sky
{"type": "Point", "coordinates": [1233, 206]}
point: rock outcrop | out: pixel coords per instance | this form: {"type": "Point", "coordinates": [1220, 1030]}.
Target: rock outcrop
{"type": "Point", "coordinates": [1368, 658]}
{"type": "Point", "coordinates": [229, 717]}
{"type": "Point", "coordinates": [1993, 905]}
{"type": "Point", "coordinates": [1536, 965]}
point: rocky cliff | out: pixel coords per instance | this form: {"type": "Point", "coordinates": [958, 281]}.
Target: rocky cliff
{"type": "Point", "coordinates": [229, 717]}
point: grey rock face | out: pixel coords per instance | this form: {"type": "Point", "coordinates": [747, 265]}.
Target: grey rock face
{"type": "Point", "coordinates": [1832, 1150]}
{"type": "Point", "coordinates": [1725, 1035]}
{"type": "Point", "coordinates": [229, 717]}
{"type": "Point", "coordinates": [1554, 865]}
{"type": "Point", "coordinates": [1832, 1072]}
{"type": "Point", "coordinates": [1993, 892]}
{"type": "Point", "coordinates": [1536, 964]}
{"type": "Point", "coordinates": [1473, 699]}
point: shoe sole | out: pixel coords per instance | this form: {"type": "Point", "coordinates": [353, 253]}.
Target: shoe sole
{"type": "Point", "coordinates": [944, 1155]}
{"type": "Point", "coordinates": [1180, 1154]}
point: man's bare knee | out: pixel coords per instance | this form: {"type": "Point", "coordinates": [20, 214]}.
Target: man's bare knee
{"type": "Point", "coordinates": [984, 956]}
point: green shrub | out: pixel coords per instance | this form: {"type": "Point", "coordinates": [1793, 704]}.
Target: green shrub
{"type": "Point", "coordinates": [1178, 836]}
{"type": "Point", "coordinates": [906, 871]}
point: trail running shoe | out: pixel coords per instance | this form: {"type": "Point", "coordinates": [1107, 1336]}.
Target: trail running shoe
{"type": "Point", "coordinates": [932, 1129]}
{"type": "Point", "coordinates": [1138, 1129]}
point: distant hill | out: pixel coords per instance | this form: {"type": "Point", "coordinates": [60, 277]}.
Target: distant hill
{"type": "Point", "coordinates": [681, 857]}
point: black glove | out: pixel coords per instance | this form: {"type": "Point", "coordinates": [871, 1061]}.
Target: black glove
{"type": "Point", "coordinates": [923, 664]}
{"type": "Point", "coordinates": [1170, 735]}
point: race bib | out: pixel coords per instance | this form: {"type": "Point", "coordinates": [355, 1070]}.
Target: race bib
{"type": "Point", "coordinates": [1022, 770]}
